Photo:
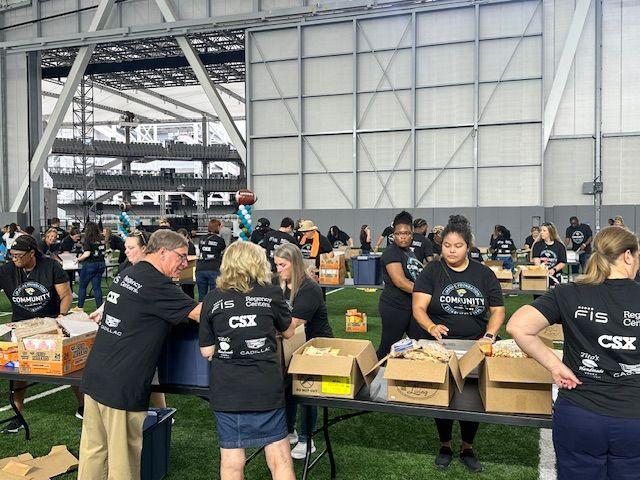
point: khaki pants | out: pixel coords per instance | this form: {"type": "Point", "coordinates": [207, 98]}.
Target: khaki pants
{"type": "Point", "coordinates": [111, 443]}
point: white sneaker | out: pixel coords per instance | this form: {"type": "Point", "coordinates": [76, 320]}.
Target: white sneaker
{"type": "Point", "coordinates": [293, 438]}
{"type": "Point", "coordinates": [74, 295]}
{"type": "Point", "coordinates": [300, 450]}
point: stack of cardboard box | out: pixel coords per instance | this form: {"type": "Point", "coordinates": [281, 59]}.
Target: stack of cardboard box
{"type": "Point", "coordinates": [332, 269]}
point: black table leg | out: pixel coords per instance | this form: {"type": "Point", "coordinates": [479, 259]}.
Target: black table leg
{"type": "Point", "coordinates": [327, 441]}
{"type": "Point", "coordinates": [307, 457]}
{"type": "Point", "coordinates": [18, 414]}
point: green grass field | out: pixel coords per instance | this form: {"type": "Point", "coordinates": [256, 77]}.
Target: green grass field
{"type": "Point", "coordinates": [371, 446]}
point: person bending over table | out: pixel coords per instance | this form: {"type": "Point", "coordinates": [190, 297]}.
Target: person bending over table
{"type": "Point", "coordinates": [400, 268]}
{"type": "Point", "coordinates": [141, 306]}
{"type": "Point", "coordinates": [596, 419]}
{"type": "Point", "coordinates": [460, 299]}
{"type": "Point", "coordinates": [238, 333]}
{"type": "Point", "coordinates": [36, 286]}
{"type": "Point", "coordinates": [550, 251]}
{"type": "Point", "coordinates": [49, 245]}
{"type": "Point", "coordinates": [309, 309]}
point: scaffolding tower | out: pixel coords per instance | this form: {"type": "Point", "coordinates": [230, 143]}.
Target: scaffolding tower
{"type": "Point", "coordinates": [84, 164]}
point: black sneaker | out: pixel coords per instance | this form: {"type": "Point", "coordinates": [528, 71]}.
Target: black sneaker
{"type": "Point", "coordinates": [13, 426]}
{"type": "Point", "coordinates": [469, 460]}
{"type": "Point", "coordinates": [80, 412]}
{"type": "Point", "coordinates": [443, 460]}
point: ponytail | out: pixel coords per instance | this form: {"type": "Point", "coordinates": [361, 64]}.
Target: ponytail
{"type": "Point", "coordinates": [609, 244]}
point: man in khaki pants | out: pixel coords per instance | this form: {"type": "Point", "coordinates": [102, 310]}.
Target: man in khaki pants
{"type": "Point", "coordinates": [140, 309]}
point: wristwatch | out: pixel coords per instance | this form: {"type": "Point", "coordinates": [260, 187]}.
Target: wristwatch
{"type": "Point", "coordinates": [490, 336]}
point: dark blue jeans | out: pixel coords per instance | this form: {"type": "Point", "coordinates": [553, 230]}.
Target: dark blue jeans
{"type": "Point", "coordinates": [91, 272]}
{"type": "Point", "coordinates": [590, 446]}
{"type": "Point", "coordinates": [206, 280]}
{"type": "Point", "coordinates": [582, 263]}
{"type": "Point", "coordinates": [292, 413]}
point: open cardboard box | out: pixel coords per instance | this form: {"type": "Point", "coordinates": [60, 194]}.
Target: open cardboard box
{"type": "Point", "coordinates": [534, 279]}
{"type": "Point", "coordinates": [510, 385]}
{"type": "Point", "coordinates": [286, 346]}
{"type": "Point", "coordinates": [422, 382]}
{"type": "Point", "coordinates": [504, 276]}
{"type": "Point", "coordinates": [341, 376]}
{"type": "Point", "coordinates": [25, 467]}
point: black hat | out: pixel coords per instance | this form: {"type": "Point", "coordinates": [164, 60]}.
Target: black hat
{"type": "Point", "coordinates": [25, 243]}
{"type": "Point", "coordinates": [263, 223]}
{"type": "Point", "coordinates": [419, 222]}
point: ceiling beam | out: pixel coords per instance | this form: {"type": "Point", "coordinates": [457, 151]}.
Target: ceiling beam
{"type": "Point", "coordinates": [99, 106]}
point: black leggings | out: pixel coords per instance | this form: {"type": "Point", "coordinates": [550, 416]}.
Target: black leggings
{"type": "Point", "coordinates": [395, 323]}
{"type": "Point", "coordinates": [468, 430]}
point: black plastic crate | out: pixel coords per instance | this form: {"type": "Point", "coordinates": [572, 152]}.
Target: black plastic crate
{"type": "Point", "coordinates": [156, 444]}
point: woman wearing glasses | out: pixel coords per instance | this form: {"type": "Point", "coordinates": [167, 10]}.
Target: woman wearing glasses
{"type": "Point", "coordinates": [36, 286]}
{"type": "Point", "coordinates": [400, 270]}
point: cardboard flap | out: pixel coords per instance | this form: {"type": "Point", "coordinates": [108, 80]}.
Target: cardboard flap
{"type": "Point", "coordinates": [18, 469]}
{"type": "Point", "coordinates": [454, 367]}
{"type": "Point", "coordinates": [58, 461]}
{"type": "Point", "coordinates": [325, 365]}
{"type": "Point", "coordinates": [416, 370]}
{"type": "Point", "coordinates": [516, 370]}
{"type": "Point", "coordinates": [367, 361]}
{"type": "Point", "coordinates": [377, 366]}
{"type": "Point", "coordinates": [470, 361]}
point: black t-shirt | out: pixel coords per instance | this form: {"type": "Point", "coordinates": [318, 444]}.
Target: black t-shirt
{"type": "Point", "coordinates": [475, 254]}
{"type": "Point", "coordinates": [325, 247]}
{"type": "Point", "coordinates": [211, 251]}
{"type": "Point", "coordinates": [116, 243]}
{"type": "Point", "coordinates": [411, 267]}
{"type": "Point", "coordinates": [62, 234]}
{"type": "Point", "coordinates": [33, 294]}
{"type": "Point", "coordinates": [97, 250]}
{"type": "Point", "coordinates": [579, 235]}
{"type": "Point", "coordinates": [550, 255]}
{"type": "Point", "coordinates": [529, 241]}
{"type": "Point", "coordinates": [388, 234]}
{"type": "Point", "coordinates": [245, 372]}
{"type": "Point", "coordinates": [274, 239]}
{"type": "Point", "coordinates": [460, 300]}
{"type": "Point", "coordinates": [309, 305]}
{"type": "Point", "coordinates": [258, 236]}
{"type": "Point", "coordinates": [601, 326]}
{"type": "Point", "coordinates": [339, 240]}
{"type": "Point", "coordinates": [47, 249]}
{"type": "Point", "coordinates": [502, 246]}
{"type": "Point", "coordinates": [191, 248]}
{"type": "Point", "coordinates": [68, 245]}
{"type": "Point", "coordinates": [140, 309]}
{"type": "Point", "coordinates": [421, 247]}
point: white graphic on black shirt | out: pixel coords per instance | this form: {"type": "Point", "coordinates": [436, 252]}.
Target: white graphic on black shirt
{"type": "Point", "coordinates": [306, 250]}
{"type": "Point", "coordinates": [549, 258]}
{"type": "Point", "coordinates": [414, 267]}
{"type": "Point", "coordinates": [32, 296]}
{"type": "Point", "coordinates": [462, 298]}
{"type": "Point", "coordinates": [577, 237]}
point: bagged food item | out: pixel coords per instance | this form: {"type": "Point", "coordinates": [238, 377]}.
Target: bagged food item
{"type": "Point", "coordinates": [507, 348]}
{"type": "Point", "coordinates": [321, 351]}
{"type": "Point", "coordinates": [426, 350]}
{"type": "Point", "coordinates": [401, 346]}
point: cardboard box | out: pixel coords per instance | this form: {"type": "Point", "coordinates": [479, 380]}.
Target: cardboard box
{"type": "Point", "coordinates": [25, 467]}
{"type": "Point", "coordinates": [67, 355]}
{"type": "Point", "coordinates": [286, 346]}
{"type": "Point", "coordinates": [505, 277]}
{"type": "Point", "coordinates": [355, 323]}
{"type": "Point", "coordinates": [510, 385]}
{"type": "Point", "coordinates": [349, 252]}
{"type": "Point", "coordinates": [552, 335]}
{"type": "Point", "coordinates": [422, 382]}
{"type": "Point", "coordinates": [189, 272]}
{"type": "Point", "coordinates": [537, 279]}
{"type": "Point", "coordinates": [493, 263]}
{"type": "Point", "coordinates": [327, 376]}
{"type": "Point", "coordinates": [332, 269]}
{"type": "Point", "coordinates": [8, 352]}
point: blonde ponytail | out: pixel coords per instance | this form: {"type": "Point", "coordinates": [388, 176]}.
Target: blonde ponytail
{"type": "Point", "coordinates": [609, 244]}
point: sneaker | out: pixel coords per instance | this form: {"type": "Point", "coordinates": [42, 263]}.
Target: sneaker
{"type": "Point", "coordinates": [80, 413]}
{"type": "Point", "coordinates": [293, 437]}
{"type": "Point", "coordinates": [300, 450]}
{"type": "Point", "coordinates": [469, 460]}
{"type": "Point", "coordinates": [444, 457]}
{"type": "Point", "coordinates": [13, 426]}
{"type": "Point", "coordinates": [77, 310]}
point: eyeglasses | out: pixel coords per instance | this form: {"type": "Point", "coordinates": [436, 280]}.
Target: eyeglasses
{"type": "Point", "coordinates": [183, 256]}
{"type": "Point", "coordinates": [15, 256]}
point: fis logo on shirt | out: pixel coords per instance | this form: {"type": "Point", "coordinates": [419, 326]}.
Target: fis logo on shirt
{"type": "Point", "coordinates": [243, 321]}
{"type": "Point", "coordinates": [222, 304]}
{"type": "Point", "coordinates": [112, 297]}
{"type": "Point", "coordinates": [616, 342]}
{"type": "Point", "coordinates": [590, 314]}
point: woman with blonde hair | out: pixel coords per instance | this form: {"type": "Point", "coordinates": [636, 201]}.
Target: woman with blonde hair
{"type": "Point", "coordinates": [550, 251]}
{"type": "Point", "coordinates": [596, 420]}
{"type": "Point", "coordinates": [308, 309]}
{"type": "Point", "coordinates": [238, 328]}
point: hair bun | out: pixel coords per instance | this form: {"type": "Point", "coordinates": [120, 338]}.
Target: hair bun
{"type": "Point", "coordinates": [459, 220]}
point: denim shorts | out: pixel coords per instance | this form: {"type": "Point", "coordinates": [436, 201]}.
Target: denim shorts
{"type": "Point", "coordinates": [251, 429]}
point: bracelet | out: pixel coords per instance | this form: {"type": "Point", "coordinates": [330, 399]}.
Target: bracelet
{"type": "Point", "coordinates": [433, 325]}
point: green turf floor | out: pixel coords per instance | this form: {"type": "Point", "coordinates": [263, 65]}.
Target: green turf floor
{"type": "Point", "coordinates": [372, 446]}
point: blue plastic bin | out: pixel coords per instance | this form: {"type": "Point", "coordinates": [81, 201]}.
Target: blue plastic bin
{"type": "Point", "coordinates": [366, 270]}
{"type": "Point", "coordinates": [156, 444]}
{"type": "Point", "coordinates": [181, 362]}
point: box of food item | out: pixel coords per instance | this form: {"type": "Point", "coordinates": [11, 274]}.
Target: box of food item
{"type": "Point", "coordinates": [286, 346]}
{"type": "Point", "coordinates": [60, 352]}
{"type": "Point", "coordinates": [8, 353]}
{"type": "Point", "coordinates": [552, 336]}
{"type": "Point", "coordinates": [534, 277]}
{"type": "Point", "coordinates": [422, 374]}
{"type": "Point", "coordinates": [355, 321]}
{"type": "Point", "coordinates": [332, 269]}
{"type": "Point", "coordinates": [509, 380]}
{"type": "Point", "coordinates": [504, 276]}
{"type": "Point", "coordinates": [333, 367]}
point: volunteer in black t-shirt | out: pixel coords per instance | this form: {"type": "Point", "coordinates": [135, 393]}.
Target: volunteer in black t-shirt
{"type": "Point", "coordinates": [596, 419]}
{"type": "Point", "coordinates": [141, 306]}
{"type": "Point", "coordinates": [308, 309]}
{"type": "Point", "coordinates": [313, 243]}
{"type": "Point", "coordinates": [238, 332]}
{"type": "Point", "coordinates": [400, 268]}
{"type": "Point", "coordinates": [93, 265]}
{"type": "Point", "coordinates": [114, 242]}
{"type": "Point", "coordinates": [337, 238]}
{"type": "Point", "coordinates": [503, 248]}
{"type": "Point", "coordinates": [260, 232]}
{"type": "Point", "coordinates": [71, 244]}
{"type": "Point", "coordinates": [208, 265]}
{"type": "Point", "coordinates": [578, 238]}
{"type": "Point", "coordinates": [386, 235]}
{"type": "Point", "coordinates": [421, 246]}
{"type": "Point", "coordinates": [459, 299]}
{"type": "Point", "coordinates": [282, 236]}
{"type": "Point", "coordinates": [550, 251]}
{"type": "Point", "coordinates": [49, 245]}
{"type": "Point", "coordinates": [475, 254]}
{"type": "Point", "coordinates": [60, 232]}
{"type": "Point", "coordinates": [36, 286]}
{"type": "Point", "coordinates": [436, 239]}
{"type": "Point", "coordinates": [365, 239]}
{"type": "Point", "coordinates": [531, 239]}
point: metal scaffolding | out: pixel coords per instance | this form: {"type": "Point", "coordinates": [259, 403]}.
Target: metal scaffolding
{"type": "Point", "coordinates": [84, 163]}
